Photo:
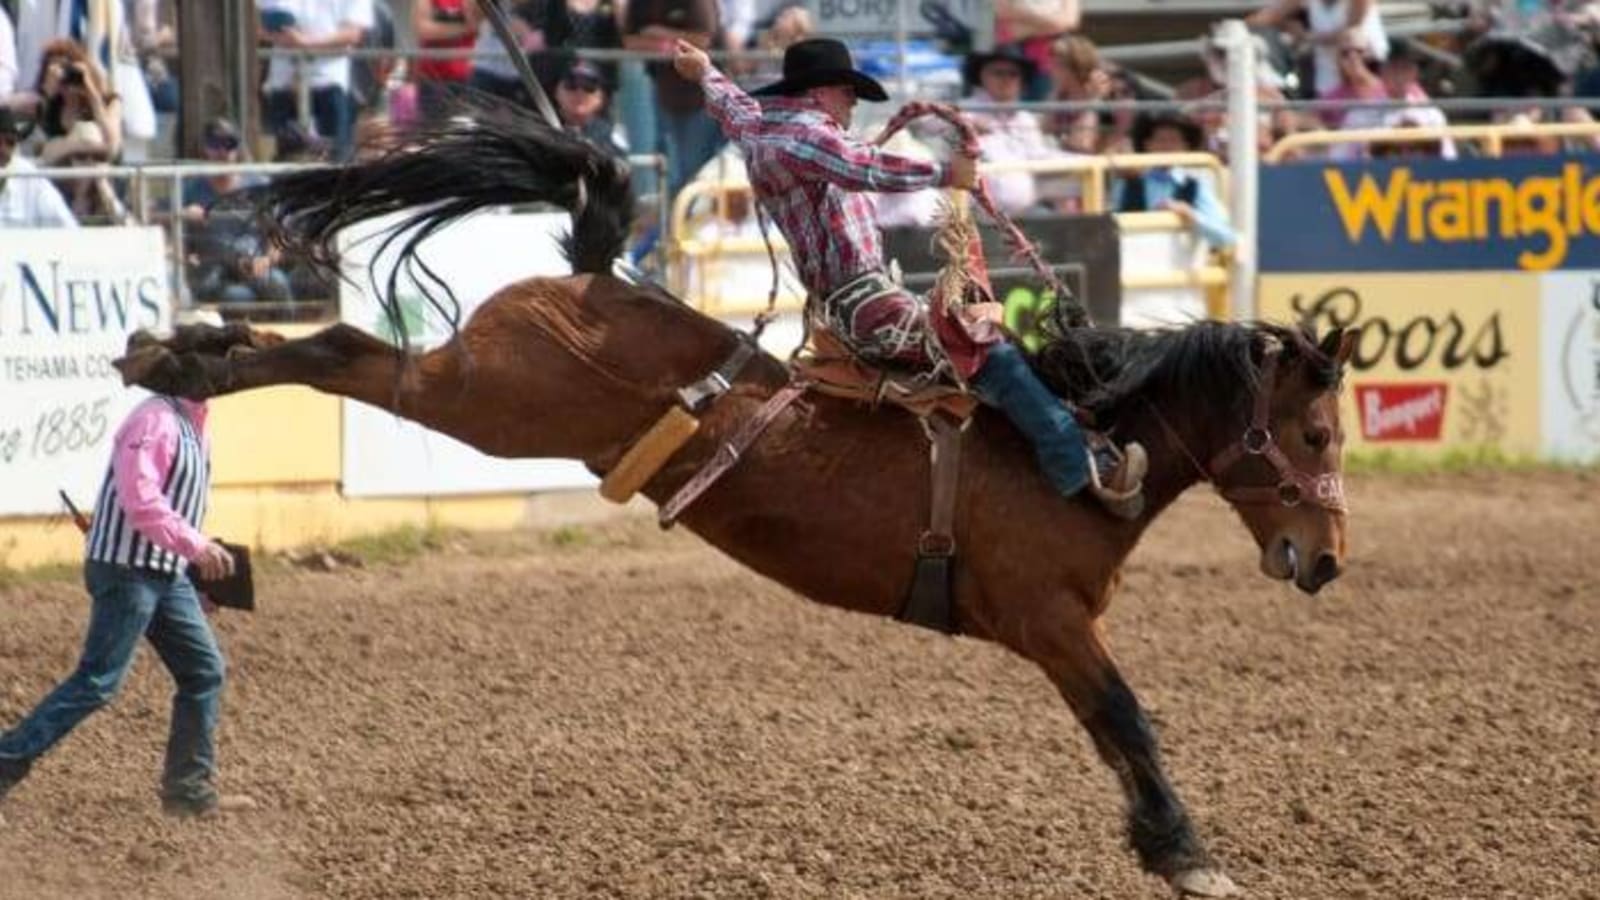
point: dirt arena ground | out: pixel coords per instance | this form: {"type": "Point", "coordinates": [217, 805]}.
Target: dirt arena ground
{"type": "Point", "coordinates": [613, 711]}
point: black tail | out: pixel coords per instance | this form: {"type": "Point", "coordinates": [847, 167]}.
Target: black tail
{"type": "Point", "coordinates": [482, 154]}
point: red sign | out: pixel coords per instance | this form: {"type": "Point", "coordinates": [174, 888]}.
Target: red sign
{"type": "Point", "coordinates": [1401, 412]}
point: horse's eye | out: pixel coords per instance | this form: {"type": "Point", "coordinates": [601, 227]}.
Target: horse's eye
{"type": "Point", "coordinates": [1317, 439]}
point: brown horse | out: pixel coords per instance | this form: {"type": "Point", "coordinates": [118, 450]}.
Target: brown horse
{"type": "Point", "coordinates": [832, 498]}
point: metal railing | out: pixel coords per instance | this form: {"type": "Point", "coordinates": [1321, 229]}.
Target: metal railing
{"type": "Point", "coordinates": [1492, 138]}
{"type": "Point", "coordinates": [688, 255]}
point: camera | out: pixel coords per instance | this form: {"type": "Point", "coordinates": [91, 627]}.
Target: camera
{"type": "Point", "coordinates": [72, 77]}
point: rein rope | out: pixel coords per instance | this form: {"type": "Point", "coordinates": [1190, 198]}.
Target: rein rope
{"type": "Point", "coordinates": [1021, 248]}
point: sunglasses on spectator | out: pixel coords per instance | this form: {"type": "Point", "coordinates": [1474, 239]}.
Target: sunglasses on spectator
{"type": "Point", "coordinates": [224, 144]}
{"type": "Point", "coordinates": [586, 85]}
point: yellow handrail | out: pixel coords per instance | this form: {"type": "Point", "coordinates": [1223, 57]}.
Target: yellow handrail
{"type": "Point", "coordinates": [1492, 137]}
{"type": "Point", "coordinates": [1110, 165]}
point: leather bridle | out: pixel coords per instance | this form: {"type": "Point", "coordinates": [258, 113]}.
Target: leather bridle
{"type": "Point", "coordinates": [1294, 486]}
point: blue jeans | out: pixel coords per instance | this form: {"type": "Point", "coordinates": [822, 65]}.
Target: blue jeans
{"type": "Point", "coordinates": [331, 112]}
{"type": "Point", "coordinates": [223, 284]}
{"type": "Point", "coordinates": [1008, 383]}
{"type": "Point", "coordinates": [129, 603]}
{"type": "Point", "coordinates": [636, 105]}
{"type": "Point", "coordinates": [689, 140]}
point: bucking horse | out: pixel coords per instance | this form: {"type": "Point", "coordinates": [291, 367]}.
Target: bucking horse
{"type": "Point", "coordinates": [831, 499]}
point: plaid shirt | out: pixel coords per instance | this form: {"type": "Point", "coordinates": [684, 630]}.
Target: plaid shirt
{"type": "Point", "coordinates": [810, 175]}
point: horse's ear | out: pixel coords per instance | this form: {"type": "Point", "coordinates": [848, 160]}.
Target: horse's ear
{"type": "Point", "coordinates": [1338, 345]}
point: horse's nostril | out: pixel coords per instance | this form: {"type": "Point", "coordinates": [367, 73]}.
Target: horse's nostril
{"type": "Point", "coordinates": [1326, 569]}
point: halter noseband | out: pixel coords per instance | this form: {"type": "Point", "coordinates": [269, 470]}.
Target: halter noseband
{"type": "Point", "coordinates": [1294, 485]}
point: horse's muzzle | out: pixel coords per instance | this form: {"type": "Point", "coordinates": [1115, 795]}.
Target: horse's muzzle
{"type": "Point", "coordinates": [1319, 574]}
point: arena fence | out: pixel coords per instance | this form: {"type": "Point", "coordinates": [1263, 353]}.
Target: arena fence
{"type": "Point", "coordinates": [730, 275]}
{"type": "Point", "coordinates": [1490, 139]}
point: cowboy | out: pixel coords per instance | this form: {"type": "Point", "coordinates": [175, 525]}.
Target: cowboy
{"type": "Point", "coordinates": [811, 176]}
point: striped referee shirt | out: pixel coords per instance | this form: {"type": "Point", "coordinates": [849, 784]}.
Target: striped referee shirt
{"type": "Point", "coordinates": [154, 495]}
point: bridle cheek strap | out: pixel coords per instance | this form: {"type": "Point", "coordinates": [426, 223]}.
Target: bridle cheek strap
{"type": "Point", "coordinates": [1294, 485]}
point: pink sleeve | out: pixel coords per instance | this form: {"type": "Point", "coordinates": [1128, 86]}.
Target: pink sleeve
{"type": "Point", "coordinates": [146, 445]}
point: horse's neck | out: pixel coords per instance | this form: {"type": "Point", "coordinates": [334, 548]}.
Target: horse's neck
{"type": "Point", "coordinates": [1177, 452]}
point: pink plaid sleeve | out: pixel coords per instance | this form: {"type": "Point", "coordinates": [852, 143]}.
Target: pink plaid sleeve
{"type": "Point", "coordinates": [737, 112]}
{"type": "Point", "coordinates": [857, 166]}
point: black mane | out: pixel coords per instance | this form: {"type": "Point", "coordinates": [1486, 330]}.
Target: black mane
{"type": "Point", "coordinates": [1210, 366]}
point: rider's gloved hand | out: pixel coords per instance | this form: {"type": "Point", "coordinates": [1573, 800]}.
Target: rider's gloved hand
{"type": "Point", "coordinates": [690, 61]}
{"type": "Point", "coordinates": [963, 171]}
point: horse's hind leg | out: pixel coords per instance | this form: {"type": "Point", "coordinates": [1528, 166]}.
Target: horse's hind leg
{"type": "Point", "coordinates": [203, 361]}
{"type": "Point", "coordinates": [1158, 825]}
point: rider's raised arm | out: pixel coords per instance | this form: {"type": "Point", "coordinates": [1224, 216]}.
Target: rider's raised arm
{"type": "Point", "coordinates": [737, 112]}
{"type": "Point", "coordinates": [854, 165]}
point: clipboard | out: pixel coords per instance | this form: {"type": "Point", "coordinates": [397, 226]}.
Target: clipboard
{"type": "Point", "coordinates": [236, 591]}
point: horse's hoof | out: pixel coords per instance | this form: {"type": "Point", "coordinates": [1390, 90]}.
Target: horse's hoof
{"type": "Point", "coordinates": [142, 362]}
{"type": "Point", "coordinates": [141, 339]}
{"type": "Point", "coordinates": [1203, 883]}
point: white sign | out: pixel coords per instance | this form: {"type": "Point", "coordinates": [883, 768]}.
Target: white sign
{"type": "Point", "coordinates": [1569, 350]}
{"type": "Point", "coordinates": [387, 456]}
{"type": "Point", "coordinates": [68, 301]}
{"type": "Point", "coordinates": [848, 18]}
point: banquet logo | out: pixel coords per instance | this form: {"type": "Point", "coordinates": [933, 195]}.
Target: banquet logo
{"type": "Point", "coordinates": [1402, 412]}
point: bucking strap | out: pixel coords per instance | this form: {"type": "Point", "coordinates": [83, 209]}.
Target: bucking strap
{"type": "Point", "coordinates": [714, 385]}
{"type": "Point", "coordinates": [931, 600]}
{"type": "Point", "coordinates": [728, 455]}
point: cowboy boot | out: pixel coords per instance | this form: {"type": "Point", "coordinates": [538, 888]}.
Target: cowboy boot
{"type": "Point", "coordinates": [208, 805]}
{"type": "Point", "coordinates": [1007, 382]}
{"type": "Point", "coordinates": [1117, 478]}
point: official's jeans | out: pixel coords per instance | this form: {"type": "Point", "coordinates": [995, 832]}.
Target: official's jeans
{"type": "Point", "coordinates": [129, 603]}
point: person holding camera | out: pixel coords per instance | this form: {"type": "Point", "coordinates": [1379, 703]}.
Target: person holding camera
{"type": "Point", "coordinates": [73, 89]}
{"type": "Point", "coordinates": [229, 261]}
{"type": "Point", "coordinates": [1079, 75]}
{"type": "Point", "coordinates": [141, 545]}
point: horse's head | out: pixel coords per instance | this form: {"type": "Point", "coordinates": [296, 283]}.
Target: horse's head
{"type": "Point", "coordinates": [1282, 471]}
{"type": "Point", "coordinates": [1253, 408]}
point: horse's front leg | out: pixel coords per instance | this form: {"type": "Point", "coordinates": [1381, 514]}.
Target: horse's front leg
{"type": "Point", "coordinates": [1158, 825]}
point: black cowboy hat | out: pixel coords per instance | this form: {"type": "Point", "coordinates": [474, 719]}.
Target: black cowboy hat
{"type": "Point", "coordinates": [972, 67]}
{"type": "Point", "coordinates": [1146, 124]}
{"type": "Point", "coordinates": [820, 62]}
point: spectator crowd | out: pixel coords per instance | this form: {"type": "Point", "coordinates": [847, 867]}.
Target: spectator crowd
{"type": "Point", "coordinates": [95, 82]}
